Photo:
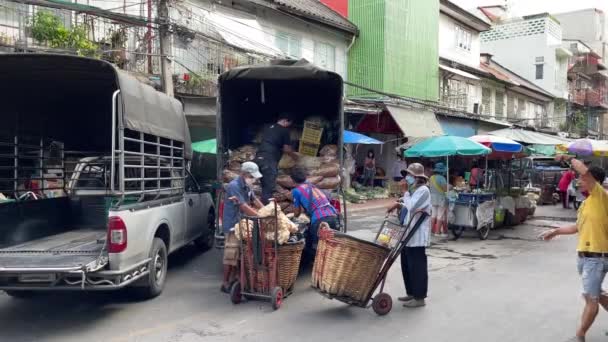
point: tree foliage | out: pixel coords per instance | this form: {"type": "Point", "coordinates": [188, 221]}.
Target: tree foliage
{"type": "Point", "coordinates": [47, 27]}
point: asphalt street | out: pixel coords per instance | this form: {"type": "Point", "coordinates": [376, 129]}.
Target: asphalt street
{"type": "Point", "coordinates": [511, 287]}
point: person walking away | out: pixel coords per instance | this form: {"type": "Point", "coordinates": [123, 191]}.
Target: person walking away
{"type": "Point", "coordinates": [275, 141]}
{"type": "Point", "coordinates": [438, 186]}
{"type": "Point", "coordinates": [369, 169]}
{"type": "Point", "coordinates": [592, 228]}
{"type": "Point", "coordinates": [239, 200]}
{"type": "Point", "coordinates": [313, 201]}
{"type": "Point", "coordinates": [414, 264]}
{"type": "Point", "coordinates": [476, 180]}
{"type": "Point", "coordinates": [562, 186]}
{"type": "Point", "coordinates": [398, 168]}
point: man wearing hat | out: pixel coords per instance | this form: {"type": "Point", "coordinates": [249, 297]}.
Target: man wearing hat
{"type": "Point", "coordinates": [414, 264]}
{"type": "Point", "coordinates": [239, 200]}
{"type": "Point", "coordinates": [439, 186]}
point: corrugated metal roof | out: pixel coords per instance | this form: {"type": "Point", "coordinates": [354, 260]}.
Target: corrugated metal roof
{"type": "Point", "coordinates": [314, 9]}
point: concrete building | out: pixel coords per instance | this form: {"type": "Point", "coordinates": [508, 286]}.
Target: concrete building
{"type": "Point", "coordinates": [589, 26]}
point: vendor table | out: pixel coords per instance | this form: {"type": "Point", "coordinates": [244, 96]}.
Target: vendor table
{"type": "Point", "coordinates": [472, 211]}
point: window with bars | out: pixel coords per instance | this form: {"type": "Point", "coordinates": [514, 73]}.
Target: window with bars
{"type": "Point", "coordinates": [486, 101]}
{"type": "Point", "coordinates": [289, 44]}
{"type": "Point", "coordinates": [540, 71]}
{"type": "Point", "coordinates": [499, 104]}
{"type": "Point", "coordinates": [464, 38]}
{"type": "Point", "coordinates": [511, 107]}
{"type": "Point", "coordinates": [521, 108]}
{"type": "Point", "coordinates": [325, 55]}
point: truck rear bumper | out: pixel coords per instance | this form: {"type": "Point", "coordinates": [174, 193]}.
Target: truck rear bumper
{"type": "Point", "coordinates": [76, 278]}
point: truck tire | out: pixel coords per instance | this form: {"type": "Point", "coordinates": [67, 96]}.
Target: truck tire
{"type": "Point", "coordinates": [207, 238]}
{"type": "Point", "coordinates": [20, 294]}
{"type": "Point", "coordinates": [155, 282]}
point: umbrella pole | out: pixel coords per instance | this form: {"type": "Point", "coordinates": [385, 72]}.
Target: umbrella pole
{"type": "Point", "coordinates": [485, 174]}
{"type": "Point", "coordinates": [447, 167]}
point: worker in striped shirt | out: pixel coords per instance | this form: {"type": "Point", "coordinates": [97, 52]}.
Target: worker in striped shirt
{"type": "Point", "coordinates": [314, 202]}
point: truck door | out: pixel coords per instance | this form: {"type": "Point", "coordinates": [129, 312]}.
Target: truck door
{"type": "Point", "coordinates": [195, 215]}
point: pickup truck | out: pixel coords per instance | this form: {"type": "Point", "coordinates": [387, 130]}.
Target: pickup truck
{"type": "Point", "coordinates": [108, 218]}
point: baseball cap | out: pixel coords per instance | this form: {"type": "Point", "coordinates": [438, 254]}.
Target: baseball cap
{"type": "Point", "coordinates": [252, 169]}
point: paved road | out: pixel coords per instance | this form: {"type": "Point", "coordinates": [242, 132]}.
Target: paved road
{"type": "Point", "coordinates": [509, 288]}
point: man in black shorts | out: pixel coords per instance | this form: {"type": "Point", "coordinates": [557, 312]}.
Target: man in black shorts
{"type": "Point", "coordinates": [275, 141]}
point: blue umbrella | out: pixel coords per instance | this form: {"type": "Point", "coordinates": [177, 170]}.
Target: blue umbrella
{"type": "Point", "coordinates": [358, 138]}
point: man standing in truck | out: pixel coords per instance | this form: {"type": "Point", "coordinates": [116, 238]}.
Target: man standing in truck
{"type": "Point", "coordinates": [239, 200]}
{"type": "Point", "coordinates": [275, 141]}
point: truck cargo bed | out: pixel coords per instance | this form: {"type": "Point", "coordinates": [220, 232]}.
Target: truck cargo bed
{"type": "Point", "coordinates": [71, 249]}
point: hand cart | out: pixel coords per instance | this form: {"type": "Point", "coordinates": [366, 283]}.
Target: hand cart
{"type": "Point", "coordinates": [471, 211]}
{"type": "Point", "coordinates": [396, 240]}
{"type": "Point", "coordinates": [259, 259]}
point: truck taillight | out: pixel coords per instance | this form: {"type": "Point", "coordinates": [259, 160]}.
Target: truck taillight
{"type": "Point", "coordinates": [117, 235]}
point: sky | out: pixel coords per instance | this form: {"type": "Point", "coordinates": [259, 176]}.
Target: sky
{"type": "Point", "coordinates": [526, 7]}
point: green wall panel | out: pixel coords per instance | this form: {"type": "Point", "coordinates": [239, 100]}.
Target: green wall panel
{"type": "Point", "coordinates": [397, 51]}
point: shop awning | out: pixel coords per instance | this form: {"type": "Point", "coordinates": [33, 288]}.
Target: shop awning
{"type": "Point", "coordinates": [415, 122]}
{"type": "Point", "coordinates": [458, 72]}
{"type": "Point", "coordinates": [529, 137]}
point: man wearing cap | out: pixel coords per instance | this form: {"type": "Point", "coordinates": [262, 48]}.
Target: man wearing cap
{"type": "Point", "coordinates": [239, 200]}
{"type": "Point", "coordinates": [438, 186]}
{"type": "Point", "coordinates": [275, 141]}
{"type": "Point", "coordinates": [414, 264]}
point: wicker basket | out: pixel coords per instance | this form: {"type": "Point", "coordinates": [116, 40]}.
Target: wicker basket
{"type": "Point", "coordinates": [346, 267]}
{"type": "Point", "coordinates": [289, 256]}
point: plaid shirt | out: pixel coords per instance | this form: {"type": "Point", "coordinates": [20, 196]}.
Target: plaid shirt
{"type": "Point", "coordinates": [318, 208]}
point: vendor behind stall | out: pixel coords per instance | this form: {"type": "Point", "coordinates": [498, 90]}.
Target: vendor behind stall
{"type": "Point", "coordinates": [315, 204]}
{"type": "Point", "coordinates": [239, 200]}
{"type": "Point", "coordinates": [477, 176]}
{"type": "Point", "coordinates": [275, 141]}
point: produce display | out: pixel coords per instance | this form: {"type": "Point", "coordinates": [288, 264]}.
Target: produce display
{"type": "Point", "coordinates": [361, 194]}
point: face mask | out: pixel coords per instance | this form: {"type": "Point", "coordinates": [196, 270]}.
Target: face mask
{"type": "Point", "coordinates": [249, 181]}
{"type": "Point", "coordinates": [410, 180]}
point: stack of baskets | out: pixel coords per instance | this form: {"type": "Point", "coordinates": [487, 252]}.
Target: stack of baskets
{"type": "Point", "coordinates": [346, 267]}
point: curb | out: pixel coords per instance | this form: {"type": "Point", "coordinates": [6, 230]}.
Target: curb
{"type": "Point", "coordinates": [371, 207]}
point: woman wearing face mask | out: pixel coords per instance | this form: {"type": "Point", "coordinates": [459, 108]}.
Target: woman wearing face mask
{"type": "Point", "coordinates": [414, 264]}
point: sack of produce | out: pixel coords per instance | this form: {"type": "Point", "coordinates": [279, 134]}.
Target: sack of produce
{"type": "Point", "coordinates": [286, 182]}
{"type": "Point", "coordinates": [244, 153]}
{"type": "Point", "coordinates": [228, 176]}
{"type": "Point", "coordinates": [329, 183]}
{"type": "Point", "coordinates": [234, 165]}
{"type": "Point", "coordinates": [309, 163]}
{"type": "Point", "coordinates": [286, 162]}
{"type": "Point", "coordinates": [314, 179]}
{"type": "Point", "coordinates": [327, 170]}
{"type": "Point", "coordinates": [329, 150]}
{"type": "Point", "coordinates": [284, 194]}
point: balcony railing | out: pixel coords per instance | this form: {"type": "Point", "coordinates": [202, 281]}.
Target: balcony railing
{"type": "Point", "coordinates": [590, 97]}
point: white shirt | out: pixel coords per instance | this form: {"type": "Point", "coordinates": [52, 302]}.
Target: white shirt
{"type": "Point", "coordinates": [419, 200]}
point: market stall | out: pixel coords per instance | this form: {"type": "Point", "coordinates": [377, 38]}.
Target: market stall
{"type": "Point", "coordinates": [467, 209]}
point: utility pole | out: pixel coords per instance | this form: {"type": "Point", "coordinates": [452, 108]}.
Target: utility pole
{"type": "Point", "coordinates": [164, 31]}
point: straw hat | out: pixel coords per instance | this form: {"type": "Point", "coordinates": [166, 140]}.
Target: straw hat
{"type": "Point", "coordinates": [416, 170]}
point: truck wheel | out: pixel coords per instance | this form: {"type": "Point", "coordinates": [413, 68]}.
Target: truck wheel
{"type": "Point", "coordinates": [20, 294]}
{"type": "Point", "coordinates": [155, 282]}
{"type": "Point", "coordinates": [205, 241]}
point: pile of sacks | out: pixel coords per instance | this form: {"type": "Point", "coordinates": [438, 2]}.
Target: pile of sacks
{"type": "Point", "coordinates": [323, 171]}
{"type": "Point", "coordinates": [284, 230]}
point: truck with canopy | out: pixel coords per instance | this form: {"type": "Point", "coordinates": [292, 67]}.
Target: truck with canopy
{"type": "Point", "coordinates": [94, 178]}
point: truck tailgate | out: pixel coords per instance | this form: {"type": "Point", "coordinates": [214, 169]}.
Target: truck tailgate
{"type": "Point", "coordinates": [72, 249]}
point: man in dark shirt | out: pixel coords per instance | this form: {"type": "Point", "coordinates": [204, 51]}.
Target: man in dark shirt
{"type": "Point", "coordinates": [275, 141]}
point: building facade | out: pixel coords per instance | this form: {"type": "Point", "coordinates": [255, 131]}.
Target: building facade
{"type": "Point", "coordinates": [396, 51]}
{"type": "Point", "coordinates": [589, 26]}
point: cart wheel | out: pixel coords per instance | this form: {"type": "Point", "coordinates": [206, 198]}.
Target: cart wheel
{"type": "Point", "coordinates": [277, 297]}
{"type": "Point", "coordinates": [484, 232]}
{"type": "Point", "coordinates": [235, 293]}
{"type": "Point", "coordinates": [382, 304]}
{"type": "Point", "coordinates": [457, 232]}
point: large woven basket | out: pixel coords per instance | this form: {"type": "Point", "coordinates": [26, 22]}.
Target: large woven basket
{"type": "Point", "coordinates": [289, 256]}
{"type": "Point", "coordinates": [346, 267]}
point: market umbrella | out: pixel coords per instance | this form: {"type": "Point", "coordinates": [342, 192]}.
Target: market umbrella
{"type": "Point", "coordinates": [446, 145]}
{"type": "Point", "coordinates": [497, 143]}
{"type": "Point", "coordinates": [205, 146]}
{"type": "Point", "coordinates": [587, 147]}
{"type": "Point", "coordinates": [358, 138]}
